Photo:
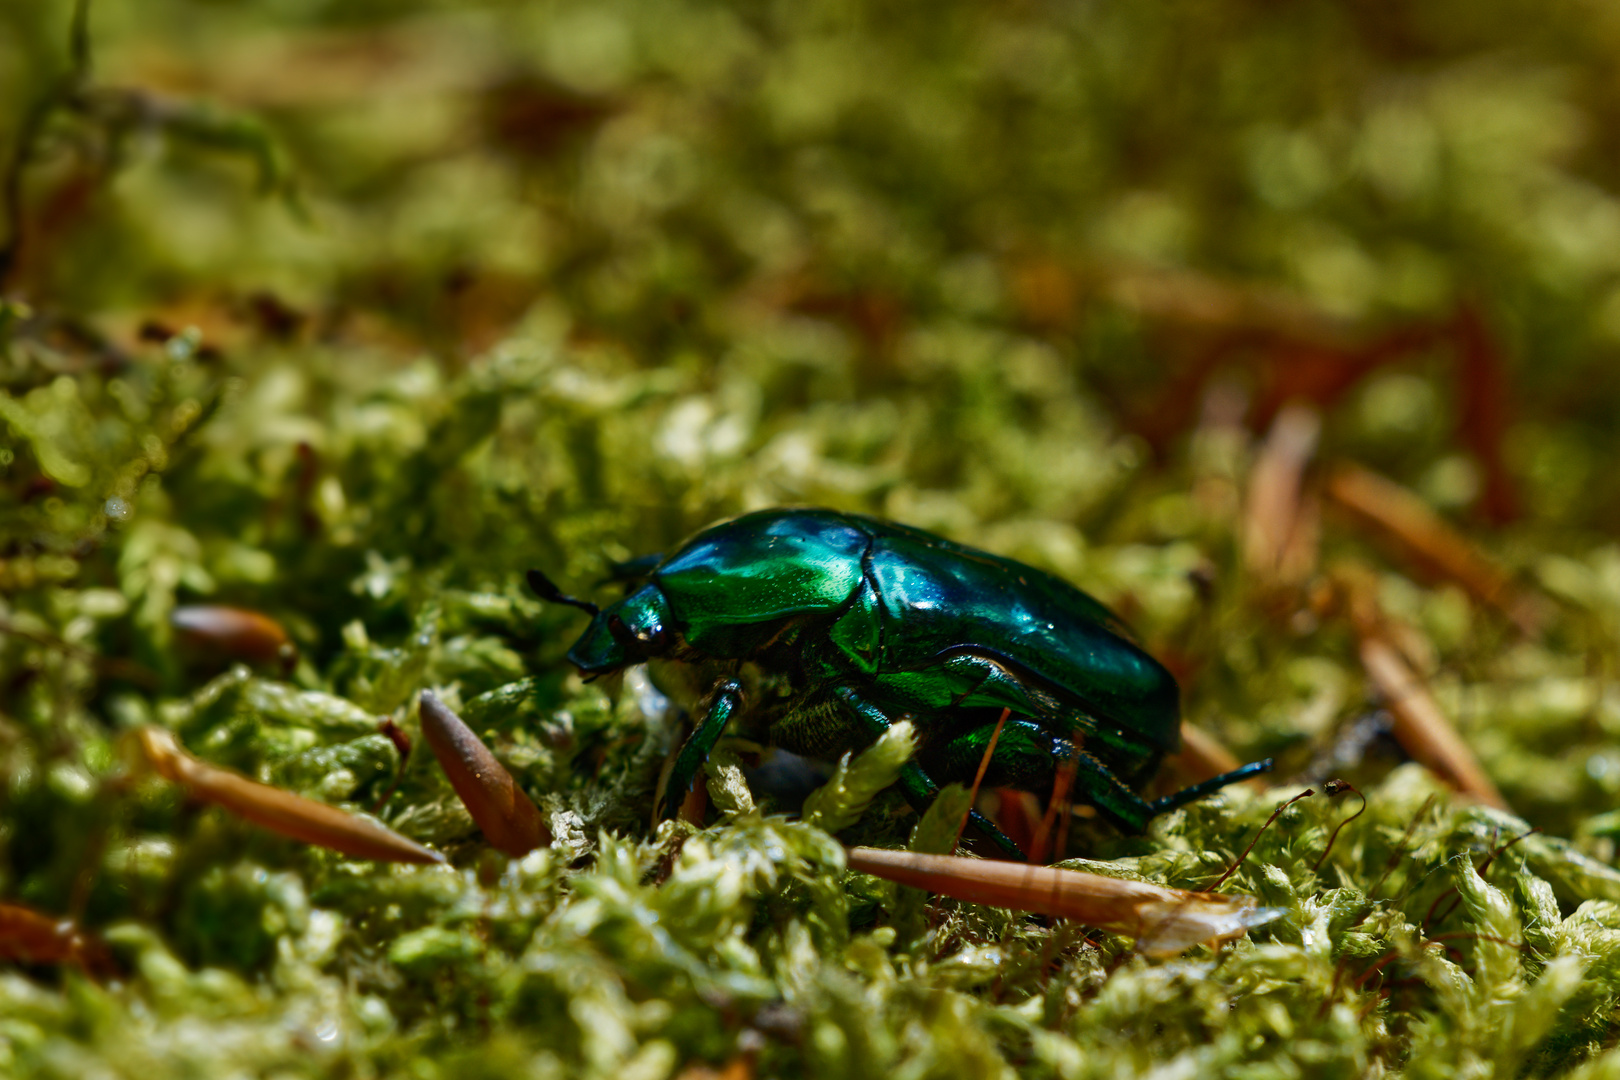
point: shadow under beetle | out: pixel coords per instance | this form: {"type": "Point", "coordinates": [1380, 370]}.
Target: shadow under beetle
{"type": "Point", "coordinates": [834, 624]}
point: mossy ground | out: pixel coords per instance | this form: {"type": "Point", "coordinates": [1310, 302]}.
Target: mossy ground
{"type": "Point", "coordinates": [350, 313]}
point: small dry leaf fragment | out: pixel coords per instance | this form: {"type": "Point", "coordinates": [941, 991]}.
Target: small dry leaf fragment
{"type": "Point", "coordinates": [233, 632]}
{"type": "Point", "coordinates": [279, 811]}
{"type": "Point", "coordinates": [509, 819]}
{"type": "Point", "coordinates": [1164, 921]}
{"type": "Point", "coordinates": [32, 937]}
{"type": "Point", "coordinates": [1420, 727]}
{"type": "Point", "coordinates": [1429, 540]}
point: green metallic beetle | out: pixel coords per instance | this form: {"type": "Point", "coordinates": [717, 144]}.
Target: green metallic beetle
{"type": "Point", "coordinates": [835, 624]}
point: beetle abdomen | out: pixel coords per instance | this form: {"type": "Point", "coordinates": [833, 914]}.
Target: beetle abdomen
{"type": "Point", "coordinates": [938, 598]}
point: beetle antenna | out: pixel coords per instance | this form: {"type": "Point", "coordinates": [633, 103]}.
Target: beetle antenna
{"type": "Point", "coordinates": [546, 589]}
{"type": "Point", "coordinates": [633, 570]}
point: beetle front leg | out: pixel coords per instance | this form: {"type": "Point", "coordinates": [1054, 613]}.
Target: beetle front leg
{"type": "Point", "coordinates": [915, 784]}
{"type": "Point", "coordinates": [695, 751]}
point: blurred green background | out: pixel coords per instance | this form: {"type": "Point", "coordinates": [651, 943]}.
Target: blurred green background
{"type": "Point", "coordinates": [349, 312]}
{"type": "Point", "coordinates": [1140, 192]}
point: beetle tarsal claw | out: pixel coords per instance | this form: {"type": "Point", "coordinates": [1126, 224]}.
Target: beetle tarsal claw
{"type": "Point", "coordinates": [279, 811]}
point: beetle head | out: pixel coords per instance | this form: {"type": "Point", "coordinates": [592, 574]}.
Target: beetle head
{"type": "Point", "coordinates": [625, 633]}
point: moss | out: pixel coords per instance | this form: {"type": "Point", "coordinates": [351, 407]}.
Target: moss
{"type": "Point", "coordinates": [562, 284]}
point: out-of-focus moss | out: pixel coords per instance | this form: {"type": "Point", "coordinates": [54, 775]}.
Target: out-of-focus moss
{"type": "Point", "coordinates": [856, 782]}
{"type": "Point", "coordinates": [572, 281]}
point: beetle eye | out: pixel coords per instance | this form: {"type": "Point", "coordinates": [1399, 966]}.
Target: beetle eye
{"type": "Point", "coordinates": [642, 641]}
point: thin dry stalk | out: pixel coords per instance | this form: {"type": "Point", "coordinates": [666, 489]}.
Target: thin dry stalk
{"type": "Point", "coordinates": [279, 811]}
{"type": "Point", "coordinates": [1275, 814]}
{"type": "Point", "coordinates": [1333, 789]}
{"type": "Point", "coordinates": [1062, 781]}
{"type": "Point", "coordinates": [978, 777]}
{"type": "Point", "coordinates": [1163, 921]}
{"type": "Point", "coordinates": [508, 817]}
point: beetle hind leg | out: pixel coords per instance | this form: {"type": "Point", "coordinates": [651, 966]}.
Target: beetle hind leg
{"type": "Point", "coordinates": [1027, 757]}
{"type": "Point", "coordinates": [1177, 800]}
{"type": "Point", "coordinates": [916, 785]}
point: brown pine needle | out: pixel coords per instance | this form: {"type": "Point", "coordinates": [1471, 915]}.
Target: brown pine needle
{"type": "Point", "coordinates": [1163, 921]}
{"type": "Point", "coordinates": [279, 811]}
{"type": "Point", "coordinates": [1430, 540]}
{"type": "Point", "coordinates": [508, 817]}
{"type": "Point", "coordinates": [1420, 727]}
{"type": "Point", "coordinates": [1279, 527]}
{"type": "Point", "coordinates": [32, 937]}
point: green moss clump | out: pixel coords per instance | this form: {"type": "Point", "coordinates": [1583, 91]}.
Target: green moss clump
{"type": "Point", "coordinates": [555, 286]}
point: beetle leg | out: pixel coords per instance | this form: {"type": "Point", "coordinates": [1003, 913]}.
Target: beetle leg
{"type": "Point", "coordinates": [1192, 794]}
{"type": "Point", "coordinates": [1027, 756]}
{"type": "Point", "coordinates": [1097, 785]}
{"type": "Point", "coordinates": [915, 784]}
{"type": "Point", "coordinates": [695, 751]}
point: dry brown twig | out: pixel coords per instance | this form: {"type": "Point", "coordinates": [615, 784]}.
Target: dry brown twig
{"type": "Point", "coordinates": [1162, 921]}
{"type": "Point", "coordinates": [279, 811]}
{"type": "Point", "coordinates": [1201, 756]}
{"type": "Point", "coordinates": [1280, 546]}
{"type": "Point", "coordinates": [1420, 726]}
